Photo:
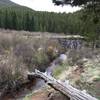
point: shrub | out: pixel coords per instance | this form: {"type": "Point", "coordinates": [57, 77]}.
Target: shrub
{"type": "Point", "coordinates": [41, 60]}
{"type": "Point", "coordinates": [5, 42]}
{"type": "Point", "coordinates": [24, 51]}
{"type": "Point", "coordinates": [12, 71]}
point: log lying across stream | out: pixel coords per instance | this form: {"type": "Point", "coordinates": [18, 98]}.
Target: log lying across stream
{"type": "Point", "coordinates": [63, 87]}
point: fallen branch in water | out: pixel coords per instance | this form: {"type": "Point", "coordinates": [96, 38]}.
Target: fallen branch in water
{"type": "Point", "coordinates": [63, 87]}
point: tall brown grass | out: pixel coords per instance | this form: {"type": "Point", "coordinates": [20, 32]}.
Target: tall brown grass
{"type": "Point", "coordinates": [20, 53]}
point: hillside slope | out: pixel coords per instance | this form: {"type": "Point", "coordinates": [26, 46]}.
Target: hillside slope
{"type": "Point", "coordinates": [7, 3]}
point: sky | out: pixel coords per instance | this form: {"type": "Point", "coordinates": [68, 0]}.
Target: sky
{"type": "Point", "coordinates": [45, 5]}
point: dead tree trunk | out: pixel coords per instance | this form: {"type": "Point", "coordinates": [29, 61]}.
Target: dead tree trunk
{"type": "Point", "coordinates": [63, 87]}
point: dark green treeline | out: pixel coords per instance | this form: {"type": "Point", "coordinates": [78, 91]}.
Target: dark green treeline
{"type": "Point", "coordinates": [20, 18]}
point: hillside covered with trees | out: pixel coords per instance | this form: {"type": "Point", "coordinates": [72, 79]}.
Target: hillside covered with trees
{"type": "Point", "coordinates": [27, 19]}
{"type": "Point", "coordinates": [23, 18]}
{"type": "Point", "coordinates": [13, 16]}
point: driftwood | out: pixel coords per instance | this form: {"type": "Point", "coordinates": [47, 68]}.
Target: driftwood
{"type": "Point", "coordinates": [63, 87]}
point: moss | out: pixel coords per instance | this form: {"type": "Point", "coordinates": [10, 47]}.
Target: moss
{"type": "Point", "coordinates": [59, 69]}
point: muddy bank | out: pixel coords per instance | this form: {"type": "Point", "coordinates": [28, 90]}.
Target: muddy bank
{"type": "Point", "coordinates": [47, 94]}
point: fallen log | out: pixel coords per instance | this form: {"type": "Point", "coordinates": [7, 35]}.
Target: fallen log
{"type": "Point", "coordinates": [63, 87]}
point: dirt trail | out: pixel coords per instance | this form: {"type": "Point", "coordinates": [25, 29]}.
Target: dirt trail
{"type": "Point", "coordinates": [40, 96]}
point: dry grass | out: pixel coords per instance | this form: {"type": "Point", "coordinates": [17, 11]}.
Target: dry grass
{"type": "Point", "coordinates": [20, 52]}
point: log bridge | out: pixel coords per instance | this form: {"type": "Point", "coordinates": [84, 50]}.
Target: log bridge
{"type": "Point", "coordinates": [63, 87]}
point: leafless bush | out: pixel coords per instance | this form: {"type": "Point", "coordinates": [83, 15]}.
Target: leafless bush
{"type": "Point", "coordinates": [41, 60]}
{"type": "Point", "coordinates": [5, 42]}
{"type": "Point", "coordinates": [77, 56]}
{"type": "Point", "coordinates": [22, 53]}
{"type": "Point", "coordinates": [24, 50]}
{"type": "Point", "coordinates": [12, 70]}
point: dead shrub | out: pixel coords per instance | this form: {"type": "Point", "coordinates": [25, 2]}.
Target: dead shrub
{"type": "Point", "coordinates": [41, 60]}
{"type": "Point", "coordinates": [76, 56]}
{"type": "Point", "coordinates": [12, 71]}
{"type": "Point", "coordinates": [24, 50]}
{"type": "Point", "coordinates": [5, 42]}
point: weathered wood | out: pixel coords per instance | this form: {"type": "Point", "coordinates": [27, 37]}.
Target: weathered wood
{"type": "Point", "coordinates": [63, 87]}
